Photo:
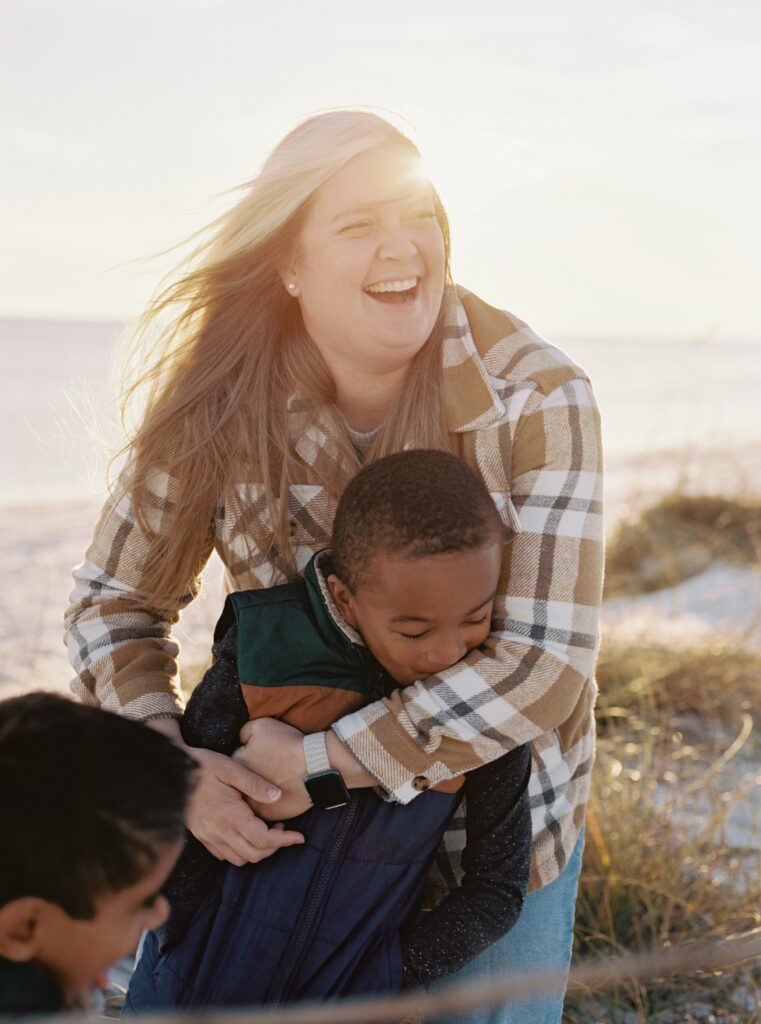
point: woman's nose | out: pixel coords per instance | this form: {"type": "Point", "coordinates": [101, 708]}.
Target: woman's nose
{"type": "Point", "coordinates": [396, 244]}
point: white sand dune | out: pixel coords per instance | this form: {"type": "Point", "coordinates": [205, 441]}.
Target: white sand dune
{"type": "Point", "coordinates": [633, 482]}
{"type": "Point", "coordinates": [725, 599]}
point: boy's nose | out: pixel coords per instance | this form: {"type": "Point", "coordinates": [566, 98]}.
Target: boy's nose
{"type": "Point", "coordinates": [444, 655]}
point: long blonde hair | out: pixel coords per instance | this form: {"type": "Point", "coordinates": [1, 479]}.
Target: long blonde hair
{"type": "Point", "coordinates": [220, 374]}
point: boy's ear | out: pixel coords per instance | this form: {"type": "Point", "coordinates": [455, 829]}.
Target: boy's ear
{"type": "Point", "coordinates": [19, 927]}
{"type": "Point", "coordinates": [343, 598]}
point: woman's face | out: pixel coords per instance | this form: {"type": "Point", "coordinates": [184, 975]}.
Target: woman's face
{"type": "Point", "coordinates": [369, 265]}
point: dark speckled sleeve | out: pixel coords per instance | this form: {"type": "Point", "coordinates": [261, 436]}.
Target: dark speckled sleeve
{"type": "Point", "coordinates": [213, 719]}
{"type": "Point", "coordinates": [216, 711]}
{"type": "Point", "coordinates": [496, 863]}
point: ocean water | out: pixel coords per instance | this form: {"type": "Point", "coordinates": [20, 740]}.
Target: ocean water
{"type": "Point", "coordinates": [59, 420]}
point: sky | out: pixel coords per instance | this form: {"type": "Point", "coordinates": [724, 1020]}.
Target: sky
{"type": "Point", "coordinates": [600, 160]}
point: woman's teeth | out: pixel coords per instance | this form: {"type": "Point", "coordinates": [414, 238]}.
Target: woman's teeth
{"type": "Point", "coordinates": [392, 286]}
{"type": "Point", "coordinates": [394, 291]}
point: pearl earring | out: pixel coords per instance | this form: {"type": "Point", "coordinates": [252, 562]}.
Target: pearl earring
{"type": "Point", "coordinates": [291, 287]}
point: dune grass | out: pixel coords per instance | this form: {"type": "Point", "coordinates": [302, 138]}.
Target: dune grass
{"type": "Point", "coordinates": [712, 683]}
{"type": "Point", "coordinates": [678, 537]}
{"type": "Point", "coordinates": [677, 753]}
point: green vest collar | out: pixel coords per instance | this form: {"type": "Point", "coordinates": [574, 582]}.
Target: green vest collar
{"type": "Point", "coordinates": [294, 635]}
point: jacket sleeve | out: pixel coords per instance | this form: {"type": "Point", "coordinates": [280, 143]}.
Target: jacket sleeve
{"type": "Point", "coordinates": [120, 647]}
{"type": "Point", "coordinates": [216, 711]}
{"type": "Point", "coordinates": [496, 862]}
{"type": "Point", "coordinates": [531, 673]}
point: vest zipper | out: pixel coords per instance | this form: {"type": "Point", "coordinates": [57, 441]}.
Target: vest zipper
{"type": "Point", "coordinates": [302, 935]}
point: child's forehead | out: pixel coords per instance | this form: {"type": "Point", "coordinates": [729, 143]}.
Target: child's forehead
{"type": "Point", "coordinates": [443, 579]}
{"type": "Point", "coordinates": [390, 570]}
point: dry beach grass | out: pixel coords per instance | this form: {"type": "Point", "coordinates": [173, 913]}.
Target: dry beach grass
{"type": "Point", "coordinates": [674, 831]}
{"type": "Point", "coordinates": [679, 536]}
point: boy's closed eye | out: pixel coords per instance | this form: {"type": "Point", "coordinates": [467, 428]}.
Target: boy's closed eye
{"type": "Point", "coordinates": [425, 632]}
{"type": "Point", "coordinates": [476, 620]}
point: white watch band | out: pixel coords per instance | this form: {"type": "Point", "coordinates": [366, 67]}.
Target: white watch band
{"type": "Point", "coordinates": [316, 753]}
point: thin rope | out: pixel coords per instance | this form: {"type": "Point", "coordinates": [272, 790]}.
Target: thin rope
{"type": "Point", "coordinates": [464, 997]}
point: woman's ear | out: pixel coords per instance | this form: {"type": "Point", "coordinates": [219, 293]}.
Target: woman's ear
{"type": "Point", "coordinates": [343, 598]}
{"type": "Point", "coordinates": [290, 278]}
{"type": "Point", "coordinates": [19, 928]}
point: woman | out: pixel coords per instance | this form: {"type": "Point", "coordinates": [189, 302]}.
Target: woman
{"type": "Point", "coordinates": [315, 329]}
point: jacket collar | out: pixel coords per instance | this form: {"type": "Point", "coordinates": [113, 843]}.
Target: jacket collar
{"type": "Point", "coordinates": [470, 400]}
{"type": "Point", "coordinates": [322, 603]}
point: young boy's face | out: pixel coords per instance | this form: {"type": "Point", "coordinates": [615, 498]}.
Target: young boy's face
{"type": "Point", "coordinates": [79, 952]}
{"type": "Point", "coordinates": [419, 616]}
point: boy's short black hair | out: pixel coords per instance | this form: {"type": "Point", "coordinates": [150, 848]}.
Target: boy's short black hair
{"type": "Point", "coordinates": [87, 800]}
{"type": "Point", "coordinates": [415, 504]}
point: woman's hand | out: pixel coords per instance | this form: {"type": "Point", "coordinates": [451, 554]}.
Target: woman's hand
{"type": "Point", "coordinates": [219, 815]}
{"type": "Point", "coordinates": [276, 749]}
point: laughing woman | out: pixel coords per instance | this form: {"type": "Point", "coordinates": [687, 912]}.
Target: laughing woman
{"type": "Point", "coordinates": [315, 329]}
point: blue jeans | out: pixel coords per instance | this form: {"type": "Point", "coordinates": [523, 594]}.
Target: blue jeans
{"type": "Point", "coordinates": [540, 941]}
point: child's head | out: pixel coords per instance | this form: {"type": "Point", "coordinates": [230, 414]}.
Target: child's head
{"type": "Point", "coordinates": [417, 550]}
{"type": "Point", "coordinates": [92, 809]}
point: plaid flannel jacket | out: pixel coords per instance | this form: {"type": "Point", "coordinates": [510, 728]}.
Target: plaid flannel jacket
{"type": "Point", "coordinates": [523, 415]}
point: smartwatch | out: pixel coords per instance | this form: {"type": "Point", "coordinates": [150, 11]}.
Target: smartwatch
{"type": "Point", "coordinates": [327, 789]}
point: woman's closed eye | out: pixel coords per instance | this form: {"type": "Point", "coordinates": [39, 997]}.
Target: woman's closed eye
{"type": "Point", "coordinates": [357, 225]}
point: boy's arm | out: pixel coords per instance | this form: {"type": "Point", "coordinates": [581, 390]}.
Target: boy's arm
{"type": "Point", "coordinates": [216, 711]}
{"type": "Point", "coordinates": [496, 861]}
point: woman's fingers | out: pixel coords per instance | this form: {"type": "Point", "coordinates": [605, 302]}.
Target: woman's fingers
{"type": "Point", "coordinates": [257, 833]}
{"type": "Point", "coordinates": [256, 842]}
{"type": "Point", "coordinates": [254, 786]}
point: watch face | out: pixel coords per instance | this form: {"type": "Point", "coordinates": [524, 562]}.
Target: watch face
{"type": "Point", "coordinates": [327, 789]}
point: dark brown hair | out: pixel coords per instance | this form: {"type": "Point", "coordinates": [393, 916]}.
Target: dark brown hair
{"type": "Point", "coordinates": [415, 504]}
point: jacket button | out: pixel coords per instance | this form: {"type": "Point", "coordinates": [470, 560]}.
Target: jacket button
{"type": "Point", "coordinates": [421, 783]}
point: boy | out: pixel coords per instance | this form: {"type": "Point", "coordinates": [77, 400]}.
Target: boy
{"type": "Point", "coordinates": [407, 589]}
{"type": "Point", "coordinates": [92, 808]}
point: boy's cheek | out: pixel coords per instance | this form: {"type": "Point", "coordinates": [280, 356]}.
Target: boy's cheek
{"type": "Point", "coordinates": [156, 916]}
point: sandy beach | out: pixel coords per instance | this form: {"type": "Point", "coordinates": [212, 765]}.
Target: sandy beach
{"type": "Point", "coordinates": [39, 545]}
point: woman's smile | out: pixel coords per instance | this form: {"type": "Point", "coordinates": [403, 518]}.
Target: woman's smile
{"type": "Point", "coordinates": [394, 292]}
